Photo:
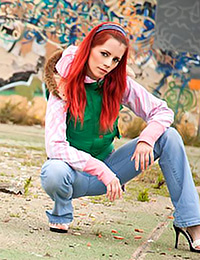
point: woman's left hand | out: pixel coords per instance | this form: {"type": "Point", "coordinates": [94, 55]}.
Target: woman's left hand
{"type": "Point", "coordinates": [142, 154]}
{"type": "Point", "coordinates": [114, 189]}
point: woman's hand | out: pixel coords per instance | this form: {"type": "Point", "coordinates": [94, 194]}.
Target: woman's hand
{"type": "Point", "coordinates": [114, 189]}
{"type": "Point", "coordinates": [142, 154]}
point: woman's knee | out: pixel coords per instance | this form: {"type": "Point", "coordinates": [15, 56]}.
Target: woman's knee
{"type": "Point", "coordinates": [54, 173]}
{"type": "Point", "coordinates": [172, 135]}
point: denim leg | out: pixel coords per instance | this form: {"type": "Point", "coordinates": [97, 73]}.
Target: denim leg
{"type": "Point", "coordinates": [176, 169]}
{"type": "Point", "coordinates": [62, 184]}
{"type": "Point", "coordinates": [174, 164]}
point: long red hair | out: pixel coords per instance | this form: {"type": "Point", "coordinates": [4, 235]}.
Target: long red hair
{"type": "Point", "coordinates": [114, 82]}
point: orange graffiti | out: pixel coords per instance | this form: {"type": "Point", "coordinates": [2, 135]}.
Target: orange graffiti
{"type": "Point", "coordinates": [194, 84]}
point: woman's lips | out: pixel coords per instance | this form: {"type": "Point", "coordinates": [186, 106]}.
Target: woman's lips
{"type": "Point", "coordinates": [104, 71]}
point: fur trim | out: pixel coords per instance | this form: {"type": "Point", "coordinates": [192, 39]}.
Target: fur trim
{"type": "Point", "coordinates": [50, 73]}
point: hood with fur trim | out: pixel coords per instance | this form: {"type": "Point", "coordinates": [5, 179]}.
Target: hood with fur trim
{"type": "Point", "coordinates": [51, 76]}
{"type": "Point", "coordinates": [58, 66]}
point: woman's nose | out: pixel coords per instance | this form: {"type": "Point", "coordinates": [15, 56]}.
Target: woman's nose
{"type": "Point", "coordinates": [108, 63]}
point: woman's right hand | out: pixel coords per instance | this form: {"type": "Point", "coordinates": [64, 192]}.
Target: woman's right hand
{"type": "Point", "coordinates": [114, 189]}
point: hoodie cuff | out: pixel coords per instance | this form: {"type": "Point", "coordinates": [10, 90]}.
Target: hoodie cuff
{"type": "Point", "coordinates": [151, 133]}
{"type": "Point", "coordinates": [99, 169]}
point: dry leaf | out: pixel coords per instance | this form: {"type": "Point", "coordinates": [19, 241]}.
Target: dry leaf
{"type": "Point", "coordinates": [118, 237]}
{"type": "Point", "coordinates": [139, 230]}
{"type": "Point", "coordinates": [137, 237]}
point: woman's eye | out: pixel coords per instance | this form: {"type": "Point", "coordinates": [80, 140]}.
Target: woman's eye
{"type": "Point", "coordinates": [104, 54]}
{"type": "Point", "coordinates": [116, 60]}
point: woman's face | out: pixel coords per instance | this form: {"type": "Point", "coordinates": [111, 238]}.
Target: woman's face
{"type": "Point", "coordinates": [104, 58]}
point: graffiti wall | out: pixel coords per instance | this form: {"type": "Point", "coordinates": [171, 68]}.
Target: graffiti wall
{"type": "Point", "coordinates": [30, 30]}
{"type": "Point", "coordinates": [177, 35]}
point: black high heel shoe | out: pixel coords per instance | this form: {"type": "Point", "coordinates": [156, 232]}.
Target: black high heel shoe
{"type": "Point", "coordinates": [192, 244]}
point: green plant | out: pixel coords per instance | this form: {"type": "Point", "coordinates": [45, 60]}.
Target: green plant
{"type": "Point", "coordinates": [12, 215]}
{"type": "Point", "coordinates": [143, 195]}
{"type": "Point", "coordinates": [160, 181]}
{"type": "Point", "coordinates": [27, 185]}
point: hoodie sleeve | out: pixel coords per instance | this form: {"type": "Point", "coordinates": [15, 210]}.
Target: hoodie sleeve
{"type": "Point", "coordinates": [151, 109]}
{"type": "Point", "coordinates": [57, 147]}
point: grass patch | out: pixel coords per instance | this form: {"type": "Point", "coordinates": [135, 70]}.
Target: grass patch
{"type": "Point", "coordinates": [101, 199]}
{"type": "Point", "coordinates": [150, 181]}
{"type": "Point", "coordinates": [27, 147]}
{"type": "Point", "coordinates": [143, 195]}
{"type": "Point", "coordinates": [143, 187]}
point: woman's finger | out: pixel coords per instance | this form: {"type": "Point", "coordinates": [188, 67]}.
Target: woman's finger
{"type": "Point", "coordinates": [146, 160]}
{"type": "Point", "coordinates": [111, 193]}
{"type": "Point", "coordinates": [152, 157]}
{"type": "Point", "coordinates": [137, 159]}
{"type": "Point", "coordinates": [133, 156]}
{"type": "Point", "coordinates": [108, 191]}
{"type": "Point", "coordinates": [115, 191]}
{"type": "Point", "coordinates": [120, 192]}
{"type": "Point", "coordinates": [142, 161]}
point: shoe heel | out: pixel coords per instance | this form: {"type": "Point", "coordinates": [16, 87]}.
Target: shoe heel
{"type": "Point", "coordinates": [177, 231]}
{"type": "Point", "coordinates": [186, 234]}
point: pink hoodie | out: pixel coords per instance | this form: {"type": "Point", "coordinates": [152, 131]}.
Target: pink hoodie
{"type": "Point", "coordinates": [153, 110]}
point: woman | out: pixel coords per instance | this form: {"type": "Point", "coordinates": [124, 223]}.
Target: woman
{"type": "Point", "coordinates": [81, 123]}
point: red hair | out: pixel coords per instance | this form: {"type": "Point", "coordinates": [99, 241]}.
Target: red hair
{"type": "Point", "coordinates": [114, 82]}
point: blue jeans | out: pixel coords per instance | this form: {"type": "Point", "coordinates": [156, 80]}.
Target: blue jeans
{"type": "Point", "coordinates": [63, 184]}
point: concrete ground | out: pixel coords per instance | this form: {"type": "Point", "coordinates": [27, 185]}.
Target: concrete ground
{"type": "Point", "coordinates": [125, 229]}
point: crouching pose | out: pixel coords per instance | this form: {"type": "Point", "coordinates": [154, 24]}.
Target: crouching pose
{"type": "Point", "coordinates": [81, 124]}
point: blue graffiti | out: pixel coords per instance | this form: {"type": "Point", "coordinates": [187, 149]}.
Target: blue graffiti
{"type": "Point", "coordinates": [62, 21]}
